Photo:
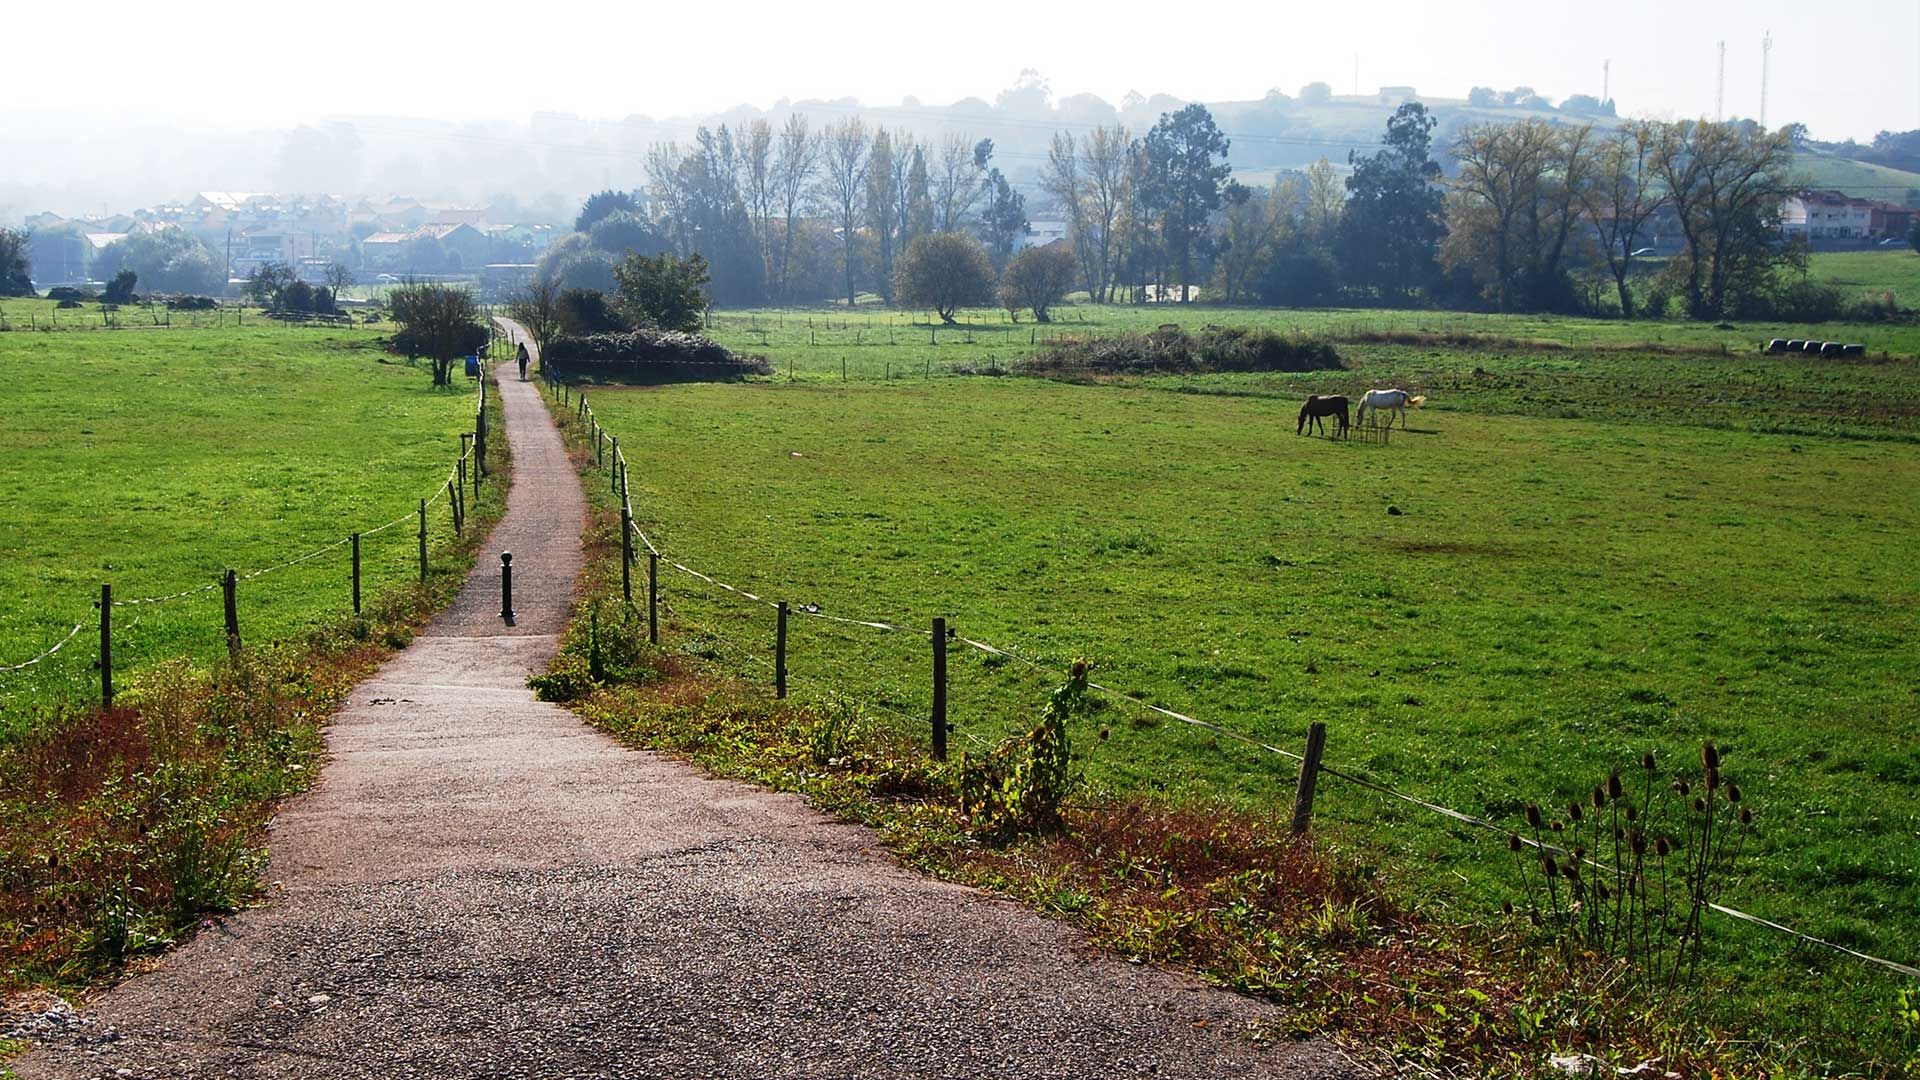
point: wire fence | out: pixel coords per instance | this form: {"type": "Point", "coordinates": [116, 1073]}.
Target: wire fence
{"type": "Point", "coordinates": [467, 468]}
{"type": "Point", "coordinates": [608, 453]}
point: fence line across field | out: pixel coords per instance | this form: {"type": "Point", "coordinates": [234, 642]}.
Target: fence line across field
{"type": "Point", "coordinates": [1312, 764]}
{"type": "Point", "coordinates": [470, 451]}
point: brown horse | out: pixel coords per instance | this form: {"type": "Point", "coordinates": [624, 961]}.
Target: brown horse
{"type": "Point", "coordinates": [1318, 406]}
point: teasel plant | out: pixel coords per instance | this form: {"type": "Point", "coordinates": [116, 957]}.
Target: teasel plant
{"type": "Point", "coordinates": [1621, 882]}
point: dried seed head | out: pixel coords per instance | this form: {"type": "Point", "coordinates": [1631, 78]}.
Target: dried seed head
{"type": "Point", "coordinates": [1709, 756]}
{"type": "Point", "coordinates": [1615, 789]}
{"type": "Point", "coordinates": [1533, 815]}
{"type": "Point", "coordinates": [1699, 806]}
{"type": "Point", "coordinates": [1104, 734]}
{"type": "Point", "coordinates": [1632, 814]}
{"type": "Point", "coordinates": [1598, 797]}
{"type": "Point", "coordinates": [1579, 853]}
{"type": "Point", "coordinates": [1662, 846]}
{"type": "Point", "coordinates": [1639, 842]}
{"type": "Point", "coordinates": [1733, 792]}
{"type": "Point", "coordinates": [1506, 908]}
{"type": "Point", "coordinates": [1558, 825]}
{"type": "Point", "coordinates": [1571, 870]}
{"type": "Point", "coordinates": [1746, 815]}
{"type": "Point", "coordinates": [1619, 833]}
{"type": "Point", "coordinates": [1602, 886]}
{"type": "Point", "coordinates": [1683, 787]}
{"type": "Point", "coordinates": [1646, 761]}
{"type": "Point", "coordinates": [1713, 779]}
{"type": "Point", "coordinates": [1513, 841]}
{"type": "Point", "coordinates": [1552, 867]}
{"type": "Point", "coordinates": [1574, 812]}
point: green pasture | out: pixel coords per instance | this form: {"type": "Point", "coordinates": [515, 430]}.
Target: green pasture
{"type": "Point", "coordinates": [156, 460]}
{"type": "Point", "coordinates": [1592, 556]}
{"type": "Point", "coordinates": [1893, 270]}
{"type": "Point", "coordinates": [878, 342]}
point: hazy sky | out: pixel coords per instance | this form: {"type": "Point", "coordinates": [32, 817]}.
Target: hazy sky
{"type": "Point", "coordinates": [1846, 68]}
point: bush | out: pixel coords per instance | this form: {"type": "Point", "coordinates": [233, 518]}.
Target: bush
{"type": "Point", "coordinates": [586, 311]}
{"type": "Point", "coordinates": [68, 292]}
{"type": "Point", "coordinates": [191, 303]}
{"type": "Point", "coordinates": [120, 289]}
{"type": "Point", "coordinates": [1215, 349]}
{"type": "Point", "coordinates": [650, 356]}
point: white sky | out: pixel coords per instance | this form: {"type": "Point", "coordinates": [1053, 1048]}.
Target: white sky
{"type": "Point", "coordinates": [1846, 68]}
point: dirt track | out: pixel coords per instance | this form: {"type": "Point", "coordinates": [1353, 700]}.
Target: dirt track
{"type": "Point", "coordinates": [482, 886]}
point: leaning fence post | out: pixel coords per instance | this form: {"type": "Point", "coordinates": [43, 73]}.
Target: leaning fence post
{"type": "Point", "coordinates": [780, 652]}
{"type": "Point", "coordinates": [653, 598]}
{"type": "Point", "coordinates": [1309, 776]}
{"type": "Point", "coordinates": [229, 587]}
{"type": "Point", "coordinates": [940, 688]}
{"type": "Point", "coordinates": [106, 646]}
{"type": "Point", "coordinates": [626, 552]}
{"type": "Point", "coordinates": [356, 573]}
{"type": "Point", "coordinates": [423, 541]}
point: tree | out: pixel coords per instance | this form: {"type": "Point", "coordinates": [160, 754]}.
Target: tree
{"type": "Point", "coordinates": [1725, 183]}
{"type": "Point", "coordinates": [588, 311]}
{"type": "Point", "coordinates": [120, 288]}
{"type": "Point", "coordinates": [1913, 236]}
{"type": "Point", "coordinates": [267, 284]}
{"type": "Point", "coordinates": [943, 271]}
{"type": "Point", "coordinates": [757, 186]}
{"type": "Point", "coordinates": [338, 276]}
{"type": "Point", "coordinates": [883, 204]}
{"type": "Point", "coordinates": [575, 263]}
{"type": "Point", "coordinates": [664, 292]}
{"type": "Point", "coordinates": [1104, 158]}
{"type": "Point", "coordinates": [1037, 278]}
{"type": "Point", "coordinates": [1061, 180]}
{"type": "Point", "coordinates": [1316, 93]}
{"type": "Point", "coordinates": [440, 322]}
{"type": "Point", "coordinates": [843, 185]}
{"type": "Point", "coordinates": [167, 261]}
{"type": "Point", "coordinates": [1323, 201]}
{"type": "Point", "coordinates": [916, 196]}
{"type": "Point", "coordinates": [1513, 208]}
{"type": "Point", "coordinates": [602, 204]}
{"type": "Point", "coordinates": [1392, 223]}
{"type": "Point", "coordinates": [297, 297]}
{"type": "Point", "coordinates": [792, 174]}
{"type": "Point", "coordinates": [537, 308]}
{"type": "Point", "coordinates": [1621, 199]}
{"type": "Point", "coordinates": [956, 184]}
{"type": "Point", "coordinates": [1184, 181]}
{"type": "Point", "coordinates": [1482, 97]}
{"type": "Point", "coordinates": [15, 270]}
{"type": "Point", "coordinates": [1005, 220]}
{"type": "Point", "coordinates": [1254, 224]}
{"type": "Point", "coordinates": [622, 232]}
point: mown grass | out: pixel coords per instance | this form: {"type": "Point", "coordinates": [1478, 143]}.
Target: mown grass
{"type": "Point", "coordinates": [1557, 593]}
{"type": "Point", "coordinates": [878, 342]}
{"type": "Point", "coordinates": [155, 461]}
{"type": "Point", "coordinates": [1893, 270]}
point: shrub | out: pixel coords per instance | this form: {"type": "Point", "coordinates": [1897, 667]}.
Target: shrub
{"type": "Point", "coordinates": [1019, 786]}
{"type": "Point", "coordinates": [1174, 351]}
{"type": "Point", "coordinates": [586, 311]}
{"type": "Point", "coordinates": [650, 356]}
{"type": "Point", "coordinates": [191, 303]}
{"type": "Point", "coordinates": [68, 292]}
{"type": "Point", "coordinates": [120, 289]}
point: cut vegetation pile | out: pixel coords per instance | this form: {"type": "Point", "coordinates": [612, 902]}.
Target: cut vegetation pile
{"type": "Point", "coordinates": [1167, 351]}
{"type": "Point", "coordinates": [649, 356]}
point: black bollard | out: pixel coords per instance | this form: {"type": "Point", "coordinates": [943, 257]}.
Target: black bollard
{"type": "Point", "coordinates": [506, 586]}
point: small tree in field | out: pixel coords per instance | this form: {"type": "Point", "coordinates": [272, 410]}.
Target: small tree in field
{"type": "Point", "coordinates": [1037, 278]}
{"type": "Point", "coordinates": [120, 289]}
{"type": "Point", "coordinates": [338, 277]}
{"type": "Point", "coordinates": [944, 271]}
{"type": "Point", "coordinates": [664, 292]}
{"type": "Point", "coordinates": [14, 268]}
{"type": "Point", "coordinates": [537, 308]}
{"type": "Point", "coordinates": [440, 322]}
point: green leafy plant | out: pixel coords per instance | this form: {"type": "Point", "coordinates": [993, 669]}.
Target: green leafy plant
{"type": "Point", "coordinates": [1019, 786]}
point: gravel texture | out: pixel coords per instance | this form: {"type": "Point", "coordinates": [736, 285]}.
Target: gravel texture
{"type": "Point", "coordinates": [481, 886]}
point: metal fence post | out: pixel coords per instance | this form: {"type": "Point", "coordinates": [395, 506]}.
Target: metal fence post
{"type": "Point", "coordinates": [229, 588]}
{"type": "Point", "coordinates": [356, 573]}
{"type": "Point", "coordinates": [106, 646]}
{"type": "Point", "coordinates": [780, 653]}
{"type": "Point", "coordinates": [653, 598]}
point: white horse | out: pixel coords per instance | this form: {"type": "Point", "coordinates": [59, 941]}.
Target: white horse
{"type": "Point", "coordinates": [1393, 401]}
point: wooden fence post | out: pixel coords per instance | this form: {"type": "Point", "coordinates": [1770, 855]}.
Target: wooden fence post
{"type": "Point", "coordinates": [615, 478]}
{"type": "Point", "coordinates": [423, 541]}
{"type": "Point", "coordinates": [626, 552]}
{"type": "Point", "coordinates": [229, 588]}
{"type": "Point", "coordinates": [653, 598]}
{"type": "Point", "coordinates": [780, 653]}
{"type": "Point", "coordinates": [1309, 776]}
{"type": "Point", "coordinates": [356, 573]}
{"type": "Point", "coordinates": [940, 689]}
{"type": "Point", "coordinates": [106, 646]}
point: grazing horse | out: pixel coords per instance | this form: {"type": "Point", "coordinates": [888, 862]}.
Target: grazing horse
{"type": "Point", "coordinates": [1395, 401]}
{"type": "Point", "coordinates": [1318, 406]}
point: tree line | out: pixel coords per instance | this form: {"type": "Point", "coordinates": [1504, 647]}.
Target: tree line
{"type": "Point", "coordinates": [1515, 215]}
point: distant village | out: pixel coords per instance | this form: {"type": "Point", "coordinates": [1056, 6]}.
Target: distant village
{"type": "Point", "coordinates": [377, 241]}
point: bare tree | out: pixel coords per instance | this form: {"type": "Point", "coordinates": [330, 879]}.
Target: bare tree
{"type": "Point", "coordinates": [843, 184]}
{"type": "Point", "coordinates": [793, 165]}
{"type": "Point", "coordinates": [1104, 160]}
{"type": "Point", "coordinates": [1725, 182]}
{"type": "Point", "coordinates": [882, 205]}
{"type": "Point", "coordinates": [1061, 179]}
{"type": "Point", "coordinates": [956, 184]}
{"type": "Point", "coordinates": [1622, 197]}
{"type": "Point", "coordinates": [757, 183]}
{"type": "Point", "coordinates": [338, 276]}
{"type": "Point", "coordinates": [537, 308]}
{"type": "Point", "coordinates": [1324, 198]}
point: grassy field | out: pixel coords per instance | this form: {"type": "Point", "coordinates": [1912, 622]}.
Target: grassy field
{"type": "Point", "coordinates": [875, 342]}
{"type": "Point", "coordinates": [1893, 270]}
{"type": "Point", "coordinates": [1594, 554]}
{"type": "Point", "coordinates": [154, 461]}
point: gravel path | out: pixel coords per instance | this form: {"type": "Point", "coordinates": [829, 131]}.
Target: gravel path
{"type": "Point", "coordinates": [481, 886]}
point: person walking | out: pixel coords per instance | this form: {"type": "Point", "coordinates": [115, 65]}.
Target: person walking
{"type": "Point", "coordinates": [523, 361]}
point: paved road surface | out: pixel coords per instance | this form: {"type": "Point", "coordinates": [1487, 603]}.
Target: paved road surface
{"type": "Point", "coordinates": [480, 886]}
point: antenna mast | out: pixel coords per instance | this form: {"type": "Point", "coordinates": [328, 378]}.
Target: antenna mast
{"type": "Point", "coordinates": [1766, 61]}
{"type": "Point", "coordinates": [1606, 81]}
{"type": "Point", "coordinates": [1720, 86]}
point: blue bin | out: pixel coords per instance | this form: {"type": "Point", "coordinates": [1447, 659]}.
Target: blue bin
{"type": "Point", "coordinates": [473, 366]}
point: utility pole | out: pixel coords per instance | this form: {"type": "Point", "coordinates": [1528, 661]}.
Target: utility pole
{"type": "Point", "coordinates": [1766, 62]}
{"type": "Point", "coordinates": [1606, 81]}
{"type": "Point", "coordinates": [1720, 86]}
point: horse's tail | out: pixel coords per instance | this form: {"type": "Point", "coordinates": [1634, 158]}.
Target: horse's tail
{"type": "Point", "coordinates": [1417, 400]}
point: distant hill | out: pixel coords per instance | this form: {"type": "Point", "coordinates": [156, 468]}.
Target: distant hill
{"type": "Point", "coordinates": [1862, 180]}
